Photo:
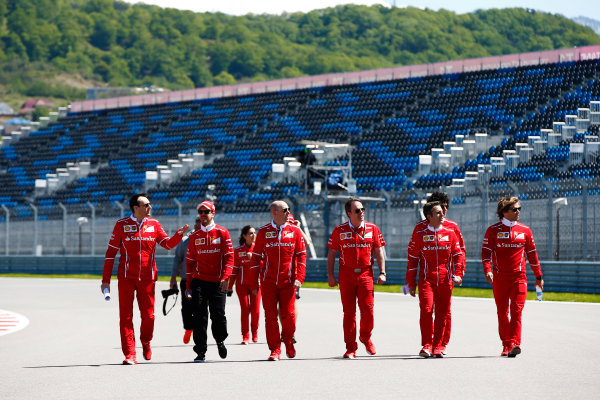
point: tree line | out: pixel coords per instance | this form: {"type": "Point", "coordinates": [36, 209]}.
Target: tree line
{"type": "Point", "coordinates": [119, 44]}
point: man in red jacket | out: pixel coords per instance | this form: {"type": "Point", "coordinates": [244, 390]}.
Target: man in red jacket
{"type": "Point", "coordinates": [506, 246]}
{"type": "Point", "coordinates": [280, 246]}
{"type": "Point", "coordinates": [209, 262]}
{"type": "Point", "coordinates": [434, 251]}
{"type": "Point", "coordinates": [358, 243]}
{"type": "Point", "coordinates": [136, 238]}
{"type": "Point", "coordinates": [444, 201]}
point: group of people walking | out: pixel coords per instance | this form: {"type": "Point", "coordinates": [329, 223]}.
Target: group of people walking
{"type": "Point", "coordinates": [269, 265]}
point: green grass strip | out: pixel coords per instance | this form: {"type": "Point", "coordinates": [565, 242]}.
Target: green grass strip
{"type": "Point", "coordinates": [458, 291]}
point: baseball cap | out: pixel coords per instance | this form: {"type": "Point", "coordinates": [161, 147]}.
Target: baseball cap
{"type": "Point", "coordinates": [207, 204]}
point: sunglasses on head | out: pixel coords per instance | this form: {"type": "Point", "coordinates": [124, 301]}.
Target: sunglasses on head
{"type": "Point", "coordinates": [515, 209]}
{"type": "Point", "coordinates": [359, 210]}
{"type": "Point", "coordinates": [204, 212]}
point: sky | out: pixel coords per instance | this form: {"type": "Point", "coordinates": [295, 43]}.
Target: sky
{"type": "Point", "coordinates": [568, 8]}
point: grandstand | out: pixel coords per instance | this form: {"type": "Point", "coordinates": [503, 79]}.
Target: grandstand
{"type": "Point", "coordinates": [524, 124]}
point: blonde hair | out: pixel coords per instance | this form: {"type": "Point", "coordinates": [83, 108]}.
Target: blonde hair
{"type": "Point", "coordinates": [504, 204]}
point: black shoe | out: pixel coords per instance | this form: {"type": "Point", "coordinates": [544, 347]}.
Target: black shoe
{"type": "Point", "coordinates": [199, 358]}
{"type": "Point", "coordinates": [222, 350]}
{"type": "Point", "coordinates": [514, 351]}
{"type": "Point", "coordinates": [297, 293]}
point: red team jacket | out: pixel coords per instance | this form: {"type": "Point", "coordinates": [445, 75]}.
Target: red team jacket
{"type": "Point", "coordinates": [356, 244]}
{"type": "Point", "coordinates": [137, 244]}
{"type": "Point", "coordinates": [278, 249]}
{"type": "Point", "coordinates": [243, 272]}
{"type": "Point", "coordinates": [507, 248]}
{"type": "Point", "coordinates": [438, 252]}
{"type": "Point", "coordinates": [209, 255]}
{"type": "Point", "coordinates": [447, 223]}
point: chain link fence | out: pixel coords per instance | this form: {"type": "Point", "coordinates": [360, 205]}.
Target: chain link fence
{"type": "Point", "coordinates": [565, 229]}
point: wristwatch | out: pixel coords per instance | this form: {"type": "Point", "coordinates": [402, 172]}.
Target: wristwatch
{"type": "Point", "coordinates": [382, 273]}
{"type": "Point", "coordinates": [539, 278]}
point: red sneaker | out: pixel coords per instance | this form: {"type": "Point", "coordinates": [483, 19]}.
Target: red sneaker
{"type": "Point", "coordinates": [290, 351]}
{"type": "Point", "coordinates": [425, 351]}
{"type": "Point", "coordinates": [129, 360]}
{"type": "Point", "coordinates": [437, 353]}
{"type": "Point", "coordinates": [187, 336]}
{"type": "Point", "coordinates": [255, 337]}
{"type": "Point", "coordinates": [147, 351]}
{"type": "Point", "coordinates": [350, 355]}
{"type": "Point", "coordinates": [505, 351]}
{"type": "Point", "coordinates": [275, 355]}
{"type": "Point", "coordinates": [246, 338]}
{"type": "Point", "coordinates": [443, 349]}
{"type": "Point", "coordinates": [369, 346]}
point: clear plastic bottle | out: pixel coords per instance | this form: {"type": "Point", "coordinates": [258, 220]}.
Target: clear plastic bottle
{"type": "Point", "coordinates": [538, 292]}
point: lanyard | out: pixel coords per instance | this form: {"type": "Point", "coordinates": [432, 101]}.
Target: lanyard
{"type": "Point", "coordinates": [362, 237]}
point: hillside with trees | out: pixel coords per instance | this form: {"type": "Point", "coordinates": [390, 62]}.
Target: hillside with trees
{"type": "Point", "coordinates": [47, 46]}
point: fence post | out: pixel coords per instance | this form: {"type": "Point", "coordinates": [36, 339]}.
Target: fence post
{"type": "Point", "coordinates": [6, 233]}
{"type": "Point", "coordinates": [35, 227]}
{"type": "Point", "coordinates": [93, 227]}
{"type": "Point", "coordinates": [549, 218]}
{"type": "Point", "coordinates": [64, 228]}
{"type": "Point", "coordinates": [584, 219]}
{"type": "Point", "coordinates": [121, 208]}
{"type": "Point", "coordinates": [178, 212]}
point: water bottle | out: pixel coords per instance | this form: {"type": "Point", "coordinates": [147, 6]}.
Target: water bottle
{"type": "Point", "coordinates": [106, 294]}
{"type": "Point", "coordinates": [538, 292]}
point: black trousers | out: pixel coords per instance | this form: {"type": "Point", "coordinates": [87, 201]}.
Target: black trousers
{"type": "Point", "coordinates": [186, 308]}
{"type": "Point", "coordinates": [207, 297]}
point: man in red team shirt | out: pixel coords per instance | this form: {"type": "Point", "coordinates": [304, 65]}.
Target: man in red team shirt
{"type": "Point", "coordinates": [136, 238]}
{"type": "Point", "coordinates": [434, 251]}
{"type": "Point", "coordinates": [357, 241]}
{"type": "Point", "coordinates": [444, 201]}
{"type": "Point", "coordinates": [280, 247]}
{"type": "Point", "coordinates": [209, 262]}
{"type": "Point", "coordinates": [505, 247]}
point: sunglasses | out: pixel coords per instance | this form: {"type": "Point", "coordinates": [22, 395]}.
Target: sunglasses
{"type": "Point", "coordinates": [144, 205]}
{"type": "Point", "coordinates": [359, 210]}
{"type": "Point", "coordinates": [515, 209]}
{"type": "Point", "coordinates": [285, 210]}
{"type": "Point", "coordinates": [206, 212]}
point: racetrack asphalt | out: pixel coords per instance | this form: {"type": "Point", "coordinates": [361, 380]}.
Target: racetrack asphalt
{"type": "Point", "coordinates": [71, 350]}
